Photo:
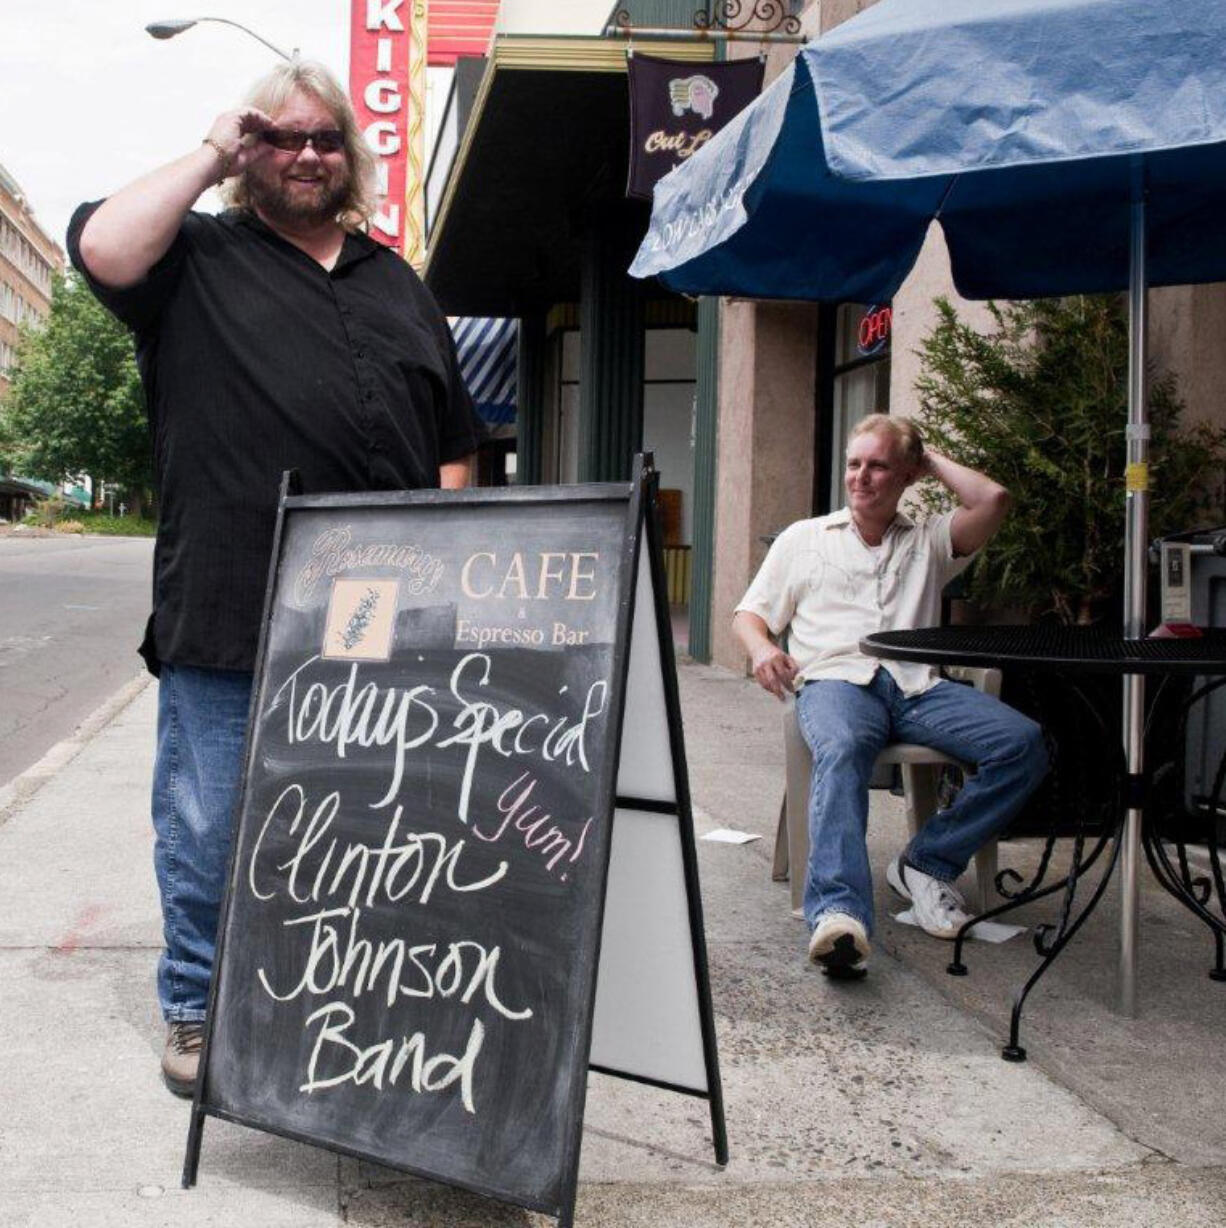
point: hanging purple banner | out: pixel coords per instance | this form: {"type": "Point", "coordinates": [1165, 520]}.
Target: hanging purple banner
{"type": "Point", "coordinates": [677, 106]}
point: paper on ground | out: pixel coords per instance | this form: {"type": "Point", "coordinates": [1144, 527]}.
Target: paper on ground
{"type": "Point", "coordinates": [728, 835]}
{"type": "Point", "coordinates": [985, 931]}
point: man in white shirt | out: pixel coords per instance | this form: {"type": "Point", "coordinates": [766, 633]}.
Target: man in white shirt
{"type": "Point", "coordinates": [831, 581]}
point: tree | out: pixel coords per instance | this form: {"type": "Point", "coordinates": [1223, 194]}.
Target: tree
{"type": "Point", "coordinates": [75, 404]}
{"type": "Point", "coordinates": [1040, 403]}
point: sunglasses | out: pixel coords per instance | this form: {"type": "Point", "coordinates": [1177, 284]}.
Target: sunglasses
{"type": "Point", "coordinates": [324, 141]}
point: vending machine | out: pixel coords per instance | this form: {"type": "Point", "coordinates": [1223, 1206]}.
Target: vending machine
{"type": "Point", "coordinates": [1194, 594]}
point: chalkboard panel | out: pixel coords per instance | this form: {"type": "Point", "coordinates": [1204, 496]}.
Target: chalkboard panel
{"type": "Point", "coordinates": [407, 959]}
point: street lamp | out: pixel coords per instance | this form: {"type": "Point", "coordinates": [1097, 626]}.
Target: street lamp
{"type": "Point", "coordinates": [168, 29]}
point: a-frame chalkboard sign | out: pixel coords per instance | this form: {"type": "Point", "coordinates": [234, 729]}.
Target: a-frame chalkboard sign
{"type": "Point", "coordinates": [463, 868]}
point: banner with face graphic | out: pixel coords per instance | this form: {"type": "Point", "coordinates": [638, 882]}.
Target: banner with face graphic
{"type": "Point", "coordinates": [676, 107]}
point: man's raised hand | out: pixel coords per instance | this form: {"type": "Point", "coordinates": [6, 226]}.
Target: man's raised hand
{"type": "Point", "coordinates": [235, 136]}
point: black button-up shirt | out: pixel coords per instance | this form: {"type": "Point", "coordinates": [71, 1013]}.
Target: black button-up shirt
{"type": "Point", "coordinates": [256, 359]}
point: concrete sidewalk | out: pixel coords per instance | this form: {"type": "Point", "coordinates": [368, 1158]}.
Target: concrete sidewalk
{"type": "Point", "coordinates": [878, 1103]}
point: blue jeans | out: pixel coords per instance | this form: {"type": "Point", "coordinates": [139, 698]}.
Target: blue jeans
{"type": "Point", "coordinates": [846, 726]}
{"type": "Point", "coordinates": [202, 726]}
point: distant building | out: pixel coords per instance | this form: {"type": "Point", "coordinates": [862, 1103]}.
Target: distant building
{"type": "Point", "coordinates": [29, 258]}
{"type": "Point", "coordinates": [18, 494]}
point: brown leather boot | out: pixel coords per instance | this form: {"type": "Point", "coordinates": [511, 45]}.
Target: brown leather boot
{"type": "Point", "coordinates": [181, 1057]}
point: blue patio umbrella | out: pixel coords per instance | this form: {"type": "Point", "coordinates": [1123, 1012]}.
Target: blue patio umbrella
{"type": "Point", "coordinates": [1065, 146]}
{"type": "Point", "coordinates": [1019, 124]}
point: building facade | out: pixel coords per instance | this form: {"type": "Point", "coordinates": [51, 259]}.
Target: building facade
{"type": "Point", "coordinates": [527, 217]}
{"type": "Point", "coordinates": [746, 404]}
{"type": "Point", "coordinates": [29, 259]}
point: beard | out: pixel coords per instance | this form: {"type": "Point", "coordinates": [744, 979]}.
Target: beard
{"type": "Point", "coordinates": [278, 203]}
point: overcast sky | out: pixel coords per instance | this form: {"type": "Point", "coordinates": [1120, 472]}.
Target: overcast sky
{"type": "Point", "coordinates": [90, 101]}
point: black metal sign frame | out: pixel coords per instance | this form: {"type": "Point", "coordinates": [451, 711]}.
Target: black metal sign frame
{"type": "Point", "coordinates": [641, 531]}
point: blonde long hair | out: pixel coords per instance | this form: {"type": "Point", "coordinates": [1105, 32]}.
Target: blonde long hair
{"type": "Point", "coordinates": [270, 94]}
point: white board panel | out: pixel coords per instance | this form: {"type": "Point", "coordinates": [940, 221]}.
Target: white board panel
{"type": "Point", "coordinates": [646, 768]}
{"type": "Point", "coordinates": [647, 1019]}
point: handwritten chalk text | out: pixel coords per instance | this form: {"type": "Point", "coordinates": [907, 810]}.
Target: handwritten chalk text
{"type": "Point", "coordinates": [384, 1063]}
{"type": "Point", "coordinates": [321, 868]}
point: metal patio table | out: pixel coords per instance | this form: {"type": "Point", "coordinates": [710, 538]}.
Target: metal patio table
{"type": "Point", "coordinates": [1069, 653]}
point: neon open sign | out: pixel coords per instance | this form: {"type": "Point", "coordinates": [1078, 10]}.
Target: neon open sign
{"type": "Point", "coordinates": [874, 334]}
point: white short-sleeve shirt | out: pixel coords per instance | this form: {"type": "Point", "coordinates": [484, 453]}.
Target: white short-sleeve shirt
{"type": "Point", "coordinates": [822, 584]}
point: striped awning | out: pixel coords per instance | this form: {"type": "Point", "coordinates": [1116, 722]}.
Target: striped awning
{"type": "Point", "coordinates": [458, 27]}
{"type": "Point", "coordinates": [488, 350]}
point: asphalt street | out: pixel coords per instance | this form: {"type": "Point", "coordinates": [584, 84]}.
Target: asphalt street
{"type": "Point", "coordinates": [72, 612]}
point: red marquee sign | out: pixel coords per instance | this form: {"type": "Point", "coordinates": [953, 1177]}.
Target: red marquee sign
{"type": "Point", "coordinates": [378, 81]}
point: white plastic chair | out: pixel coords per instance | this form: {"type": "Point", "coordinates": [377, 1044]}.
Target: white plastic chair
{"type": "Point", "coordinates": [921, 768]}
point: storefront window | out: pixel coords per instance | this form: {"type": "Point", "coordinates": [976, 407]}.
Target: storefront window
{"type": "Point", "coordinates": [855, 384]}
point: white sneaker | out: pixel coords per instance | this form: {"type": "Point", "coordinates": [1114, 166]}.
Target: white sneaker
{"type": "Point", "coordinates": [937, 907]}
{"type": "Point", "coordinates": [839, 945]}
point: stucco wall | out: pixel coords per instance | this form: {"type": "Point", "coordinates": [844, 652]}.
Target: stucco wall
{"type": "Point", "coordinates": [735, 485]}
{"type": "Point", "coordinates": [831, 13]}
{"type": "Point", "coordinates": [766, 427]}
{"type": "Point", "coordinates": [1187, 324]}
{"type": "Point", "coordinates": [765, 452]}
{"type": "Point", "coordinates": [914, 317]}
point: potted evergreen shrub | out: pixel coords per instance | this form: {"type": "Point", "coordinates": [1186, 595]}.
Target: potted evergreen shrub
{"type": "Point", "coordinates": [1040, 403]}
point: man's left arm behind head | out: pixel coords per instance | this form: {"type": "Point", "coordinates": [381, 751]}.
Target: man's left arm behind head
{"type": "Point", "coordinates": [983, 503]}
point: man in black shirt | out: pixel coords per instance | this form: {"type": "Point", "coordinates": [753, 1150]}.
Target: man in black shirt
{"type": "Point", "coordinates": [274, 336]}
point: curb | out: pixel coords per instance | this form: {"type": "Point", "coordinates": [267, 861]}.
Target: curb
{"type": "Point", "coordinates": [21, 788]}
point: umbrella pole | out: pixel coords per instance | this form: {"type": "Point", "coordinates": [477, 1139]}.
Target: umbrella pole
{"type": "Point", "coordinates": [1136, 532]}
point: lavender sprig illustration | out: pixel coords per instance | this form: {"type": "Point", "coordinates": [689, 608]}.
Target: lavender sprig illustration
{"type": "Point", "coordinates": [359, 621]}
